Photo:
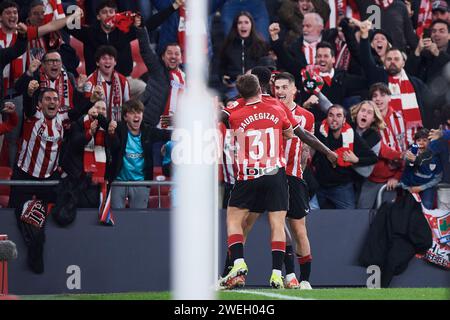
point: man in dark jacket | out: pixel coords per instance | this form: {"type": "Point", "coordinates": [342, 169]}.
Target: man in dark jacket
{"type": "Point", "coordinates": [428, 62]}
{"type": "Point", "coordinates": [302, 52]}
{"type": "Point", "coordinates": [131, 147]}
{"type": "Point", "coordinates": [394, 20]}
{"type": "Point", "coordinates": [336, 183]}
{"type": "Point", "coordinates": [164, 79]}
{"type": "Point", "coordinates": [411, 95]}
{"type": "Point", "coordinates": [106, 33]}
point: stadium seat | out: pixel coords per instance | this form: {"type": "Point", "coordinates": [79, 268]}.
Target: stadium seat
{"type": "Point", "coordinates": [157, 171]}
{"type": "Point", "coordinates": [5, 174]}
{"type": "Point", "coordinates": [153, 202]}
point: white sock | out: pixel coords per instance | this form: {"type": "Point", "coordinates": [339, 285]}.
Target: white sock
{"type": "Point", "coordinates": [277, 272]}
{"type": "Point", "coordinates": [240, 260]}
{"type": "Point", "coordinates": [290, 276]}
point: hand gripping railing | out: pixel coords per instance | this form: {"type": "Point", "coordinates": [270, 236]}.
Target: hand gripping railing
{"type": "Point", "coordinates": [383, 189]}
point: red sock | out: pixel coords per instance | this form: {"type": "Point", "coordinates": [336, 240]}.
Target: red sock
{"type": "Point", "coordinates": [236, 246]}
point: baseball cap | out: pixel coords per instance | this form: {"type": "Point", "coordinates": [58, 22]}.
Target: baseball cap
{"type": "Point", "coordinates": [440, 5]}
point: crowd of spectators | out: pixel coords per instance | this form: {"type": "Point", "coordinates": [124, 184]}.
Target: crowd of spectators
{"type": "Point", "coordinates": [63, 113]}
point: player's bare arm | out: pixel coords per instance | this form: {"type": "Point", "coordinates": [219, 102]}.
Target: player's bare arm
{"type": "Point", "coordinates": [315, 143]}
{"type": "Point", "coordinates": [288, 133]}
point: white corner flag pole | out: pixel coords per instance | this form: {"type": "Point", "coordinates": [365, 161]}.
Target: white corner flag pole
{"type": "Point", "coordinates": [195, 159]}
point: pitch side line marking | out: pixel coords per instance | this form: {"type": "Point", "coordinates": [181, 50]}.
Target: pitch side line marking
{"type": "Point", "coordinates": [270, 295]}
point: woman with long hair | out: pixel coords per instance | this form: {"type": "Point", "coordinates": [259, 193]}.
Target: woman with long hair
{"type": "Point", "coordinates": [369, 123]}
{"type": "Point", "coordinates": [242, 50]}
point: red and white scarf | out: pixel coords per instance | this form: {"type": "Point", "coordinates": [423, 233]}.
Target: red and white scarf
{"type": "Point", "coordinates": [425, 16]}
{"type": "Point", "coordinates": [94, 158]}
{"type": "Point", "coordinates": [63, 86]}
{"type": "Point", "coordinates": [384, 4]}
{"type": "Point", "coordinates": [404, 99]}
{"type": "Point", "coordinates": [327, 77]}
{"type": "Point", "coordinates": [177, 86]}
{"type": "Point", "coordinates": [118, 95]}
{"type": "Point", "coordinates": [348, 138]}
{"type": "Point", "coordinates": [342, 8]}
{"type": "Point", "coordinates": [181, 36]}
{"type": "Point", "coordinates": [94, 163]}
{"type": "Point", "coordinates": [342, 55]}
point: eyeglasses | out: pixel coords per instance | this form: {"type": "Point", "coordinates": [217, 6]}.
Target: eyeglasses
{"type": "Point", "coordinates": [55, 61]}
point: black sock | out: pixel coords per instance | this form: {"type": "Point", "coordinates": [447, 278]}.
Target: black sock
{"type": "Point", "coordinates": [278, 249]}
{"type": "Point", "coordinates": [236, 247]}
{"type": "Point", "coordinates": [305, 267]}
{"type": "Point", "coordinates": [289, 264]}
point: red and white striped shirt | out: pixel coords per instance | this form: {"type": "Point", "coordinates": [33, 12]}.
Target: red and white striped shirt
{"type": "Point", "coordinates": [17, 67]}
{"type": "Point", "coordinates": [258, 129]}
{"type": "Point", "coordinates": [40, 144]}
{"type": "Point", "coordinates": [394, 135]}
{"type": "Point", "coordinates": [309, 50]}
{"type": "Point", "coordinates": [229, 167]}
{"type": "Point", "coordinates": [177, 85]}
{"type": "Point", "coordinates": [293, 147]}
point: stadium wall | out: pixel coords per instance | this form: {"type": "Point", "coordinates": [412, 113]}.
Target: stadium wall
{"type": "Point", "coordinates": [134, 254]}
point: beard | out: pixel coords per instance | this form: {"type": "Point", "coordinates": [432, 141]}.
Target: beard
{"type": "Point", "coordinates": [332, 130]}
{"type": "Point", "coordinates": [311, 38]}
{"type": "Point", "coordinates": [393, 70]}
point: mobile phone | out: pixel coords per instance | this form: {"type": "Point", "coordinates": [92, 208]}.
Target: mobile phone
{"type": "Point", "coordinates": [426, 33]}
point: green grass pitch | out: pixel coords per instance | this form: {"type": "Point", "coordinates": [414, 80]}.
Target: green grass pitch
{"type": "Point", "coordinates": [270, 294]}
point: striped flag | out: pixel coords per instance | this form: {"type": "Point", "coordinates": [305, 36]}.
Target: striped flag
{"type": "Point", "coordinates": [105, 215]}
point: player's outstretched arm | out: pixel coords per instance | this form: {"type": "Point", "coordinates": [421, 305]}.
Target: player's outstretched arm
{"type": "Point", "coordinates": [312, 141]}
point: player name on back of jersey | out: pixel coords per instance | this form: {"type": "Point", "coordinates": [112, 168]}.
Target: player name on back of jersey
{"type": "Point", "coordinates": [258, 116]}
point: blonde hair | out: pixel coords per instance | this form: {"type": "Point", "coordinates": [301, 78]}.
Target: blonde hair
{"type": "Point", "coordinates": [378, 121]}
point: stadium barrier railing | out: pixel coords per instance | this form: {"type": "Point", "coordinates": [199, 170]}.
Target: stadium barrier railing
{"type": "Point", "coordinates": [49, 183]}
{"type": "Point", "coordinates": [440, 186]}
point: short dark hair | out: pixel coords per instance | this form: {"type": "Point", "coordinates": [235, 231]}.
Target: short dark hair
{"type": "Point", "coordinates": [379, 86]}
{"type": "Point", "coordinates": [247, 85]}
{"type": "Point", "coordinates": [49, 52]}
{"type": "Point", "coordinates": [43, 91]}
{"type": "Point", "coordinates": [328, 45]}
{"type": "Point", "coordinates": [132, 105]}
{"type": "Point", "coordinates": [104, 4]}
{"type": "Point", "coordinates": [8, 4]}
{"type": "Point", "coordinates": [403, 54]}
{"type": "Point", "coordinates": [35, 3]}
{"type": "Point", "coordinates": [263, 74]}
{"type": "Point", "coordinates": [421, 134]}
{"type": "Point", "coordinates": [105, 50]}
{"type": "Point", "coordinates": [285, 76]}
{"type": "Point", "coordinates": [171, 44]}
{"type": "Point", "coordinates": [337, 106]}
{"type": "Point", "coordinates": [440, 21]}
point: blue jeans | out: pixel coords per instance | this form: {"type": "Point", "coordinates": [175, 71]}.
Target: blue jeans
{"type": "Point", "coordinates": [257, 8]}
{"type": "Point", "coordinates": [342, 196]}
{"type": "Point", "coordinates": [428, 196]}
